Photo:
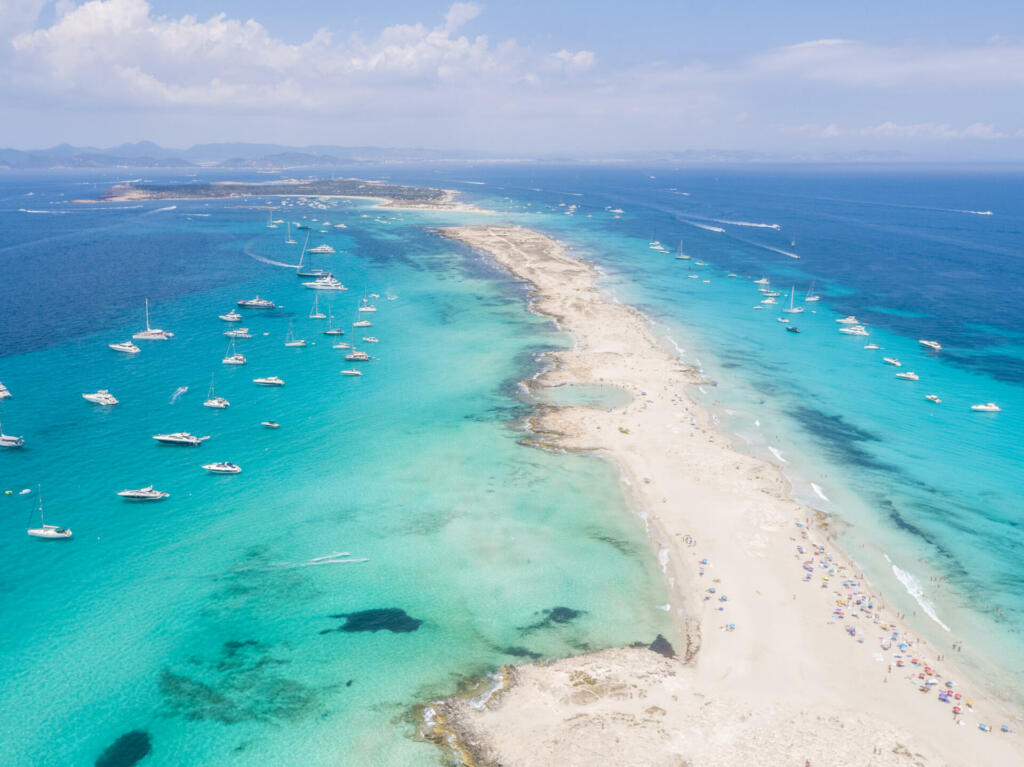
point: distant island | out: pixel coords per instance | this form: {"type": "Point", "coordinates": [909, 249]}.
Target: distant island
{"type": "Point", "coordinates": [334, 187]}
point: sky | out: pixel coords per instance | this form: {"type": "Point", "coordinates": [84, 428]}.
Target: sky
{"type": "Point", "coordinates": [936, 80]}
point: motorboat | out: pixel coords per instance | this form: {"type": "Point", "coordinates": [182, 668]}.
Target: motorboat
{"type": "Point", "coordinates": [769, 301]}
{"type": "Point", "coordinates": [238, 333]}
{"type": "Point", "coordinates": [892, 361]}
{"type": "Point", "coordinates": [371, 339]}
{"type": "Point", "coordinates": [326, 282]}
{"type": "Point", "coordinates": [932, 398]}
{"type": "Point", "coordinates": [730, 274]}
{"type": "Point", "coordinates": [793, 329]}
{"type": "Point", "coordinates": [144, 494]}
{"type": "Point", "coordinates": [126, 347]}
{"type": "Point", "coordinates": [342, 345]}
{"type": "Point", "coordinates": [362, 324]}
{"type": "Point", "coordinates": [375, 295]}
{"type": "Point", "coordinates": [223, 467]}
{"type": "Point", "coordinates": [270, 424]}
{"type": "Point", "coordinates": [357, 356]}
{"type": "Point", "coordinates": [101, 397]}
{"type": "Point", "coordinates": [232, 357]}
{"type": "Point", "coordinates": [933, 345]}
{"type": "Point", "coordinates": [850, 320]}
{"type": "Point", "coordinates": [231, 316]}
{"type": "Point", "coordinates": [257, 303]}
{"type": "Point", "coordinates": [855, 330]}
{"type": "Point", "coordinates": [152, 334]}
{"type": "Point", "coordinates": [781, 319]}
{"type": "Point", "coordinates": [4, 393]}
{"type": "Point", "coordinates": [909, 376]}
{"type": "Point", "coordinates": [180, 438]}
{"type": "Point", "coordinates": [762, 281]}
{"type": "Point", "coordinates": [268, 381]}
{"type": "Point", "coordinates": [322, 250]}
{"type": "Point", "coordinates": [988, 407]}
{"type": "Point", "coordinates": [51, 532]}
{"type": "Point", "coordinates": [9, 440]}
{"type": "Point", "coordinates": [351, 372]}
{"type": "Point", "coordinates": [872, 346]}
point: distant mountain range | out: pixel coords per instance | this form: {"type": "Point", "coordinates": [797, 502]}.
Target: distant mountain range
{"type": "Point", "coordinates": [146, 154]}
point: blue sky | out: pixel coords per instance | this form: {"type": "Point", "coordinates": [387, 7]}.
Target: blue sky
{"type": "Point", "coordinates": [939, 80]}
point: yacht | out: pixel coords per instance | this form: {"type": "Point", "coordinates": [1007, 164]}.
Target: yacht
{"type": "Point", "coordinates": [768, 301]}
{"type": "Point", "coordinates": [257, 303]}
{"type": "Point", "coordinates": [855, 330]}
{"type": "Point", "coordinates": [223, 467]}
{"type": "Point", "coordinates": [781, 319]}
{"type": "Point", "coordinates": [357, 356]}
{"type": "Point", "coordinates": [892, 361]}
{"type": "Point", "coordinates": [351, 372]}
{"type": "Point", "coordinates": [730, 274]}
{"type": "Point", "coordinates": [4, 393]}
{"type": "Point", "coordinates": [793, 329]}
{"type": "Point", "coordinates": [231, 316]}
{"type": "Point", "coordinates": [851, 320]}
{"type": "Point", "coordinates": [932, 398]}
{"type": "Point", "coordinates": [232, 357]}
{"type": "Point", "coordinates": [326, 282]}
{"type": "Point", "coordinates": [212, 400]}
{"type": "Point", "coordinates": [144, 494]}
{"type": "Point", "coordinates": [9, 440]}
{"type": "Point", "coordinates": [909, 376]}
{"type": "Point", "coordinates": [324, 250]}
{"type": "Point", "coordinates": [270, 424]}
{"type": "Point", "coordinates": [268, 381]}
{"type": "Point", "coordinates": [152, 334]}
{"type": "Point", "coordinates": [933, 345]}
{"type": "Point", "coordinates": [988, 407]}
{"type": "Point", "coordinates": [238, 333]}
{"type": "Point", "coordinates": [102, 397]}
{"type": "Point", "coordinates": [126, 347]}
{"type": "Point", "coordinates": [342, 345]}
{"type": "Point", "coordinates": [371, 339]}
{"type": "Point", "coordinates": [792, 309]}
{"type": "Point", "coordinates": [44, 530]}
{"type": "Point", "coordinates": [762, 281]}
{"type": "Point", "coordinates": [180, 438]}
{"type": "Point", "coordinates": [872, 346]}
{"type": "Point", "coordinates": [315, 313]}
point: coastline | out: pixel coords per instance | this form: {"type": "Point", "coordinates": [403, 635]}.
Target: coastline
{"type": "Point", "coordinates": [767, 650]}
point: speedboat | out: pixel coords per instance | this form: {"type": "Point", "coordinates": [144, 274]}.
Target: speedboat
{"type": "Point", "coordinates": [270, 424]}
{"type": "Point", "coordinates": [872, 346]}
{"type": "Point", "coordinates": [223, 467]}
{"type": "Point", "coordinates": [855, 330]}
{"type": "Point", "coordinates": [730, 274]}
{"type": "Point", "coordinates": [102, 397]}
{"type": "Point", "coordinates": [362, 324]}
{"type": "Point", "coordinates": [268, 381]}
{"type": "Point", "coordinates": [371, 339]}
{"type": "Point", "coordinates": [357, 356]}
{"type": "Point", "coordinates": [231, 316]}
{"type": "Point", "coordinates": [892, 361]}
{"type": "Point", "coordinates": [9, 440]}
{"type": "Point", "coordinates": [851, 320]}
{"type": "Point", "coordinates": [152, 334]}
{"type": "Point", "coordinates": [324, 283]}
{"type": "Point", "coordinates": [793, 329]}
{"type": "Point", "coordinates": [180, 438]}
{"type": "Point", "coordinates": [324, 250]}
{"type": "Point", "coordinates": [988, 407]}
{"type": "Point", "coordinates": [932, 398]}
{"type": "Point", "coordinates": [4, 394]}
{"type": "Point", "coordinates": [762, 281]}
{"type": "Point", "coordinates": [781, 319]}
{"type": "Point", "coordinates": [257, 303]}
{"type": "Point", "coordinates": [933, 345]}
{"type": "Point", "coordinates": [238, 333]}
{"type": "Point", "coordinates": [126, 347]}
{"type": "Point", "coordinates": [909, 376]}
{"type": "Point", "coordinates": [144, 494]}
{"type": "Point", "coordinates": [351, 372]}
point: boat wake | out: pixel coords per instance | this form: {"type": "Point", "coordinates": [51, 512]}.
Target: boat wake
{"type": "Point", "coordinates": [334, 558]}
{"type": "Point", "coordinates": [707, 227]}
{"type": "Point", "coordinates": [177, 393]}
{"type": "Point", "coordinates": [160, 210]}
{"type": "Point", "coordinates": [767, 247]}
{"type": "Point", "coordinates": [266, 260]}
{"type": "Point", "coordinates": [913, 587]}
{"type": "Point", "coordinates": [754, 224]}
{"type": "Point", "coordinates": [976, 212]}
{"type": "Point", "coordinates": [52, 212]}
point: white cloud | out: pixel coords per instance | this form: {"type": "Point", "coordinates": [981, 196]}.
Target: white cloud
{"type": "Point", "coordinates": [934, 130]}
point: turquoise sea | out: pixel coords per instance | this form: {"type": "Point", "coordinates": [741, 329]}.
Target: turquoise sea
{"type": "Point", "coordinates": [219, 621]}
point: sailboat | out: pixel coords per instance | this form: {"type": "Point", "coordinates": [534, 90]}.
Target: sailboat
{"type": "Point", "coordinates": [315, 313]}
{"type": "Point", "coordinates": [291, 340]}
{"type": "Point", "coordinates": [308, 272]}
{"type": "Point", "coordinates": [331, 330]}
{"type": "Point", "coordinates": [288, 239]}
{"type": "Point", "coordinates": [232, 357]}
{"type": "Point", "coordinates": [810, 294]}
{"type": "Point", "coordinates": [270, 219]}
{"type": "Point", "coordinates": [680, 255]}
{"type": "Point", "coordinates": [152, 334]}
{"type": "Point", "coordinates": [212, 400]}
{"type": "Point", "coordinates": [52, 532]}
{"type": "Point", "coordinates": [792, 309]}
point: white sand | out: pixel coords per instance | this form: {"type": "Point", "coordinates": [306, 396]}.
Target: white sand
{"type": "Point", "coordinates": [788, 683]}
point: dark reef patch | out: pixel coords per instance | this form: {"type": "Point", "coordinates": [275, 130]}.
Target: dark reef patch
{"type": "Point", "coordinates": [554, 616]}
{"type": "Point", "coordinates": [131, 748]}
{"type": "Point", "coordinates": [383, 619]}
{"type": "Point", "coordinates": [662, 646]}
{"type": "Point", "coordinates": [521, 652]}
{"type": "Point", "coordinates": [840, 438]}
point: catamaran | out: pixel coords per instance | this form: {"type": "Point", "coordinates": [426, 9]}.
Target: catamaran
{"type": "Point", "coordinates": [357, 356]}
{"type": "Point", "coordinates": [146, 493]}
{"type": "Point", "coordinates": [810, 294]}
{"type": "Point", "coordinates": [232, 357]}
{"type": "Point", "coordinates": [152, 334]}
{"type": "Point", "coordinates": [988, 407]}
{"type": "Point", "coordinates": [238, 333]}
{"type": "Point", "coordinates": [212, 400]}
{"type": "Point", "coordinates": [101, 397]}
{"type": "Point", "coordinates": [180, 438]}
{"type": "Point", "coordinates": [44, 530]}
{"type": "Point", "coordinates": [792, 309]}
{"type": "Point", "coordinates": [9, 440]}
{"type": "Point", "coordinates": [362, 324]}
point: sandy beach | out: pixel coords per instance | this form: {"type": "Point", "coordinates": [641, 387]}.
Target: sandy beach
{"type": "Point", "coordinates": [783, 654]}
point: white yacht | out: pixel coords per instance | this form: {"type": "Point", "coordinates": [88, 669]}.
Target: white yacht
{"type": "Point", "coordinates": [855, 330]}
{"type": "Point", "coordinates": [933, 345]}
{"type": "Point", "coordinates": [933, 398]}
{"type": "Point", "coordinates": [231, 316]}
{"type": "Point", "coordinates": [892, 361]}
{"type": "Point", "coordinates": [257, 303]}
{"type": "Point", "coordinates": [44, 530]}
{"type": "Point", "coordinates": [322, 250]}
{"type": "Point", "coordinates": [357, 356]}
{"type": "Point", "coordinates": [851, 320]}
{"type": "Point", "coordinates": [180, 438]}
{"type": "Point", "coordinates": [232, 357]}
{"type": "Point", "coordinates": [342, 345]}
{"type": "Point", "coordinates": [291, 340]}
{"type": "Point", "coordinates": [268, 381]}
{"type": "Point", "coordinates": [765, 301]}
{"type": "Point", "coordinates": [238, 333]}
{"type": "Point", "coordinates": [781, 319]}
{"type": "Point", "coordinates": [326, 282]}
{"type": "Point", "coordinates": [988, 407]}
{"type": "Point", "coordinates": [270, 424]}
{"type": "Point", "coordinates": [872, 346]}
{"type": "Point", "coordinates": [223, 467]}
{"type": "Point", "coordinates": [127, 347]}
{"type": "Point", "coordinates": [731, 274]}
{"type": "Point", "coordinates": [144, 494]}
{"type": "Point", "coordinates": [351, 372]}
{"type": "Point", "coordinates": [371, 339]}
{"type": "Point", "coordinates": [792, 309]}
{"type": "Point", "coordinates": [909, 376]}
{"type": "Point", "coordinates": [9, 440]}
{"type": "Point", "coordinates": [152, 334]}
{"type": "Point", "coordinates": [762, 281]}
{"type": "Point", "coordinates": [102, 397]}
{"type": "Point", "coordinates": [212, 400]}
{"type": "Point", "coordinates": [4, 393]}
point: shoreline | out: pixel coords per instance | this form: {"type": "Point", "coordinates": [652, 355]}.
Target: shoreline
{"type": "Point", "coordinates": [772, 617]}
